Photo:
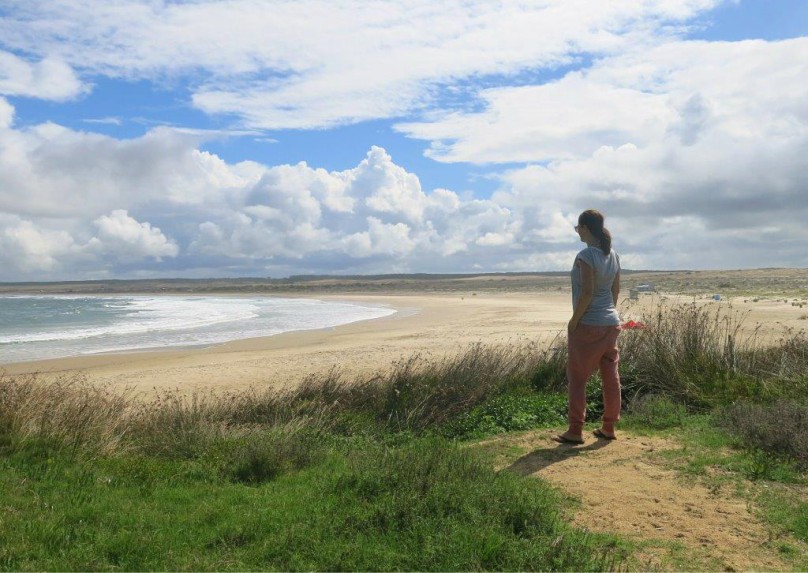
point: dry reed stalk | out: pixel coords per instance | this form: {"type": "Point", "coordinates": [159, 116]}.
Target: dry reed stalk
{"type": "Point", "coordinates": [67, 412]}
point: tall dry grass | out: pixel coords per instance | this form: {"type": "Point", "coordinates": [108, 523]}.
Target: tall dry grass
{"type": "Point", "coordinates": [67, 413]}
{"type": "Point", "coordinates": [415, 394]}
{"type": "Point", "coordinates": [704, 356]}
{"type": "Point", "coordinates": [420, 393]}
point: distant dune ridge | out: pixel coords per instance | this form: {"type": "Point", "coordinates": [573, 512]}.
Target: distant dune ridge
{"type": "Point", "coordinates": [761, 281]}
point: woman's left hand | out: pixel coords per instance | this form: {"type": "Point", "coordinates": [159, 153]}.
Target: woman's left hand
{"type": "Point", "coordinates": [571, 326]}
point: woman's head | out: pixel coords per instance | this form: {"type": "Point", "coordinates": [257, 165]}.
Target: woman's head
{"type": "Point", "coordinates": [592, 220]}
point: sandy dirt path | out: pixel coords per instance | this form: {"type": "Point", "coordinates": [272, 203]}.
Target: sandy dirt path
{"type": "Point", "coordinates": [625, 489]}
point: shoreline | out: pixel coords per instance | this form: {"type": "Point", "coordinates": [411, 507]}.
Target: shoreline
{"type": "Point", "coordinates": [429, 324]}
{"type": "Point", "coordinates": [158, 346]}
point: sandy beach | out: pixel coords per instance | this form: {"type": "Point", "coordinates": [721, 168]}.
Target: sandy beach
{"type": "Point", "coordinates": [435, 325]}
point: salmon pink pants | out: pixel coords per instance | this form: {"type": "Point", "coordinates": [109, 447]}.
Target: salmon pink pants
{"type": "Point", "coordinates": [591, 348]}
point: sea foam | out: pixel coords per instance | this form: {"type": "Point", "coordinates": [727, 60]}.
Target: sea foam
{"type": "Point", "coordinates": [36, 327]}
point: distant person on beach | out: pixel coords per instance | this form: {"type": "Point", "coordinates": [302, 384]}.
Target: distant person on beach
{"type": "Point", "coordinates": [593, 329]}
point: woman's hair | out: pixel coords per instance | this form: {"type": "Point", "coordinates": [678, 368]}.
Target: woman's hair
{"type": "Point", "coordinates": [593, 220]}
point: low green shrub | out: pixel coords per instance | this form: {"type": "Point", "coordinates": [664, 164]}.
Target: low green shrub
{"type": "Point", "coordinates": [779, 428]}
{"type": "Point", "coordinates": [594, 398]}
{"type": "Point", "coordinates": [420, 394]}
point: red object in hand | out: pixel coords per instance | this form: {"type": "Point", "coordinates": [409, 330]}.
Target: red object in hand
{"type": "Point", "coordinates": [631, 324]}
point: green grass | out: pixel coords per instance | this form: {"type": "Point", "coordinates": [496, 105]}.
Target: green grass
{"type": "Point", "coordinates": [779, 508]}
{"type": "Point", "coordinates": [427, 505]}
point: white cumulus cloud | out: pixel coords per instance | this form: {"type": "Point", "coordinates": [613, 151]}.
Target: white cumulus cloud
{"type": "Point", "coordinates": [50, 78]}
{"type": "Point", "coordinates": [127, 238]}
{"type": "Point", "coordinates": [376, 209]}
{"type": "Point", "coordinates": [26, 249]}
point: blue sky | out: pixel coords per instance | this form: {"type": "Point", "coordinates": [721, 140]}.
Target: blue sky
{"type": "Point", "coordinates": [268, 138]}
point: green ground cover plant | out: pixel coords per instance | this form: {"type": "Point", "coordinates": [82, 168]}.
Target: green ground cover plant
{"type": "Point", "coordinates": [508, 413]}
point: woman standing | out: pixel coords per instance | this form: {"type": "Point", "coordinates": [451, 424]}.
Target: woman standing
{"type": "Point", "coordinates": [593, 329]}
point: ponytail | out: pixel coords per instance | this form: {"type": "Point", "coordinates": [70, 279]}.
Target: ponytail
{"type": "Point", "coordinates": [605, 241]}
{"type": "Point", "coordinates": [593, 220]}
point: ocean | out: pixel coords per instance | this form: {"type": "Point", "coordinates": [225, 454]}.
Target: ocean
{"type": "Point", "coordinates": [56, 326]}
